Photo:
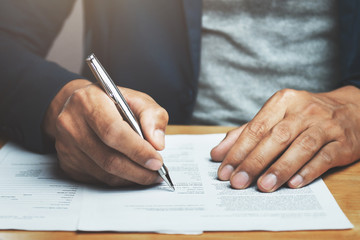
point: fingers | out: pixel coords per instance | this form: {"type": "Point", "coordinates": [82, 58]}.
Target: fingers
{"type": "Point", "coordinates": [117, 164]}
{"type": "Point", "coordinates": [301, 151]}
{"type": "Point", "coordinates": [105, 120]}
{"type": "Point", "coordinates": [94, 143]}
{"type": "Point", "coordinates": [85, 170]}
{"type": "Point", "coordinates": [328, 157]}
{"type": "Point", "coordinates": [254, 132]}
{"type": "Point", "coordinates": [219, 152]}
{"type": "Point", "coordinates": [294, 138]}
{"type": "Point", "coordinates": [153, 118]}
{"type": "Point", "coordinates": [241, 148]}
{"type": "Point", "coordinates": [85, 157]}
{"type": "Point", "coordinates": [268, 149]}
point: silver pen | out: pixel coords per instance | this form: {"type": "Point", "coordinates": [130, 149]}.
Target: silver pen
{"type": "Point", "coordinates": [114, 93]}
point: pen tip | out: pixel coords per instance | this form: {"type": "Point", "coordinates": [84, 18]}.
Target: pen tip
{"type": "Point", "coordinates": [164, 173]}
{"type": "Point", "coordinates": [169, 183]}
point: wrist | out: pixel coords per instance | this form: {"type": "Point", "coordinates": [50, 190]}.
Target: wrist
{"type": "Point", "coordinates": [346, 94]}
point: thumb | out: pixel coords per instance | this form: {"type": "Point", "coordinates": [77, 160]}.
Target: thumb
{"type": "Point", "coordinates": [152, 117]}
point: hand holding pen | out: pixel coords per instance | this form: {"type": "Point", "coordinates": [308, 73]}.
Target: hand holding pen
{"type": "Point", "coordinates": [115, 95]}
{"type": "Point", "coordinates": [93, 142]}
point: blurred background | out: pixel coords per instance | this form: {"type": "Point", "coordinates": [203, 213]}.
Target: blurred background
{"type": "Point", "coordinates": [70, 37]}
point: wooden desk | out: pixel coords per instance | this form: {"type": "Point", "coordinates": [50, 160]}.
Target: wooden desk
{"type": "Point", "coordinates": [344, 184]}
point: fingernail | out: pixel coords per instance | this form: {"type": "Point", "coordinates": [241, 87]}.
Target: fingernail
{"type": "Point", "coordinates": [159, 136]}
{"type": "Point", "coordinates": [226, 172]}
{"type": "Point", "coordinates": [268, 182]}
{"type": "Point", "coordinates": [296, 181]}
{"type": "Point", "coordinates": [153, 164]}
{"type": "Point", "coordinates": [240, 180]}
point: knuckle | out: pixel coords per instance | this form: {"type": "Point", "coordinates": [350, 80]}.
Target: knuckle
{"type": "Point", "coordinates": [284, 169]}
{"type": "Point", "coordinates": [82, 99]}
{"type": "Point", "coordinates": [313, 108]}
{"type": "Point", "coordinates": [339, 131]}
{"type": "Point", "coordinates": [79, 96]}
{"type": "Point", "coordinates": [281, 134]}
{"type": "Point", "coordinates": [308, 144]}
{"type": "Point", "coordinates": [161, 113]}
{"type": "Point", "coordinates": [333, 126]}
{"type": "Point", "coordinates": [256, 130]}
{"type": "Point", "coordinates": [259, 162]}
{"type": "Point", "coordinates": [235, 157]}
{"type": "Point", "coordinates": [62, 122]}
{"type": "Point", "coordinates": [286, 93]}
{"type": "Point", "coordinates": [327, 157]}
{"type": "Point", "coordinates": [232, 159]}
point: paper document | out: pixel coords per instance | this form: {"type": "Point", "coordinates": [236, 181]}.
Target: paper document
{"type": "Point", "coordinates": [35, 196]}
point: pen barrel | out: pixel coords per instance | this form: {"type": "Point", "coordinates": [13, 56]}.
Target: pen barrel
{"type": "Point", "coordinates": [136, 127]}
{"type": "Point", "coordinates": [113, 92]}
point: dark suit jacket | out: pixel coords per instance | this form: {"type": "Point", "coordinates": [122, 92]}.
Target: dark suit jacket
{"type": "Point", "coordinates": [151, 46]}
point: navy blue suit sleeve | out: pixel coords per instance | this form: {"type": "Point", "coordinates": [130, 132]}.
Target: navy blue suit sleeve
{"type": "Point", "coordinates": [28, 82]}
{"type": "Point", "coordinates": [350, 41]}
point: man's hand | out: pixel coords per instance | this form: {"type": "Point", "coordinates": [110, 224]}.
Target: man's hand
{"type": "Point", "coordinates": [293, 139]}
{"type": "Point", "coordinates": [94, 143]}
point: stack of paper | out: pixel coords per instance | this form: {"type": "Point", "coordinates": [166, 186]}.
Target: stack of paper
{"type": "Point", "coordinates": [35, 195]}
